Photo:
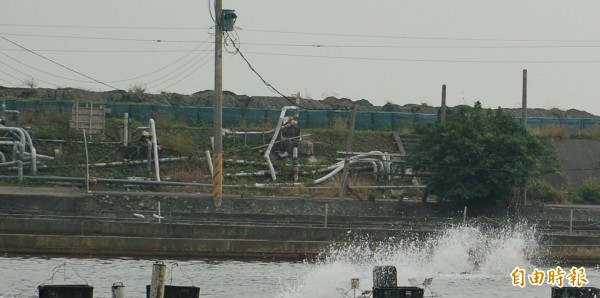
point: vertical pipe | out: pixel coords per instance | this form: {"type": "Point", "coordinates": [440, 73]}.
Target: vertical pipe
{"type": "Point", "coordinates": [295, 167]}
{"type": "Point", "coordinates": [125, 129]}
{"type": "Point", "coordinates": [218, 110]}
{"type": "Point", "coordinates": [159, 212]}
{"type": "Point", "coordinates": [326, 213]}
{"type": "Point", "coordinates": [20, 170]}
{"type": "Point", "coordinates": [571, 222]}
{"type": "Point", "coordinates": [155, 149]}
{"type": "Point", "coordinates": [443, 111]}
{"type": "Point", "coordinates": [149, 163]}
{"type": "Point", "coordinates": [91, 117]}
{"type": "Point", "coordinates": [159, 278]}
{"type": "Point", "coordinates": [524, 104]}
{"type": "Point", "coordinates": [465, 215]}
{"type": "Point", "coordinates": [76, 115]}
{"type": "Point", "coordinates": [87, 164]}
{"type": "Point", "coordinates": [524, 120]}
{"type": "Point", "coordinates": [210, 165]}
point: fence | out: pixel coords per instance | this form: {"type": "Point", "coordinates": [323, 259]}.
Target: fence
{"type": "Point", "coordinates": [243, 117]}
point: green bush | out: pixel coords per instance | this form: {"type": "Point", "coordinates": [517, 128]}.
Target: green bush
{"type": "Point", "coordinates": [540, 192]}
{"type": "Point", "coordinates": [589, 192]}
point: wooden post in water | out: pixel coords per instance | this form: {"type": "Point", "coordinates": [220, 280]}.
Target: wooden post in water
{"type": "Point", "coordinates": [159, 278]}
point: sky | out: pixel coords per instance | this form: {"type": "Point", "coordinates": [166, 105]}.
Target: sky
{"type": "Point", "coordinates": [383, 51]}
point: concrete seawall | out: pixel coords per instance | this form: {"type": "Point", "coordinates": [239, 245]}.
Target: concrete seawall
{"type": "Point", "coordinates": [70, 222]}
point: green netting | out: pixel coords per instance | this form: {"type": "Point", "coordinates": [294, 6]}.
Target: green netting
{"type": "Point", "coordinates": [140, 112]}
{"type": "Point", "coordinates": [25, 105]}
{"type": "Point", "coordinates": [237, 117]}
{"type": "Point", "coordinates": [363, 121]}
{"type": "Point", "coordinates": [232, 117]}
{"type": "Point", "coordinates": [382, 121]}
{"type": "Point", "coordinates": [10, 104]}
{"type": "Point", "coordinates": [187, 115]}
{"type": "Point", "coordinates": [117, 110]}
{"type": "Point", "coordinates": [317, 119]}
{"type": "Point", "coordinates": [272, 116]}
{"type": "Point", "coordinates": [590, 123]}
{"type": "Point", "coordinates": [205, 116]}
{"type": "Point", "coordinates": [252, 117]}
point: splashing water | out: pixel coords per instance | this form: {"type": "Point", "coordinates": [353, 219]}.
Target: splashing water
{"type": "Point", "coordinates": [456, 256]}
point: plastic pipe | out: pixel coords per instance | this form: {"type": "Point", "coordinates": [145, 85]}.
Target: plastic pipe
{"type": "Point", "coordinates": [155, 148]}
{"type": "Point", "coordinates": [275, 135]}
{"type": "Point", "coordinates": [210, 165]}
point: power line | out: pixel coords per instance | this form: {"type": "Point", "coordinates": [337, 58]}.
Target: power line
{"type": "Point", "coordinates": [103, 27]}
{"type": "Point", "coordinates": [421, 37]}
{"type": "Point", "coordinates": [27, 75]}
{"type": "Point", "coordinates": [419, 47]}
{"type": "Point", "coordinates": [100, 51]}
{"type": "Point", "coordinates": [100, 38]}
{"type": "Point", "coordinates": [63, 66]}
{"type": "Point", "coordinates": [426, 60]}
{"type": "Point", "coordinates": [42, 71]}
{"type": "Point", "coordinates": [167, 65]}
{"type": "Point", "coordinates": [260, 76]}
{"type": "Point", "coordinates": [181, 73]}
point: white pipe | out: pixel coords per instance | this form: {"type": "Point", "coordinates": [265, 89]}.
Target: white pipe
{"type": "Point", "coordinates": [125, 129]}
{"type": "Point", "coordinates": [210, 165]}
{"type": "Point", "coordinates": [2, 157]}
{"type": "Point", "coordinates": [155, 147]}
{"type": "Point", "coordinates": [275, 135]}
{"type": "Point", "coordinates": [135, 162]}
{"type": "Point", "coordinates": [234, 132]}
{"type": "Point", "coordinates": [341, 167]}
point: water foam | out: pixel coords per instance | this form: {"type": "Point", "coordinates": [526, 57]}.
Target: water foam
{"type": "Point", "coordinates": [454, 253]}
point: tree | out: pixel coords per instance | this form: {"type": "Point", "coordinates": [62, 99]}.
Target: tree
{"type": "Point", "coordinates": [479, 156]}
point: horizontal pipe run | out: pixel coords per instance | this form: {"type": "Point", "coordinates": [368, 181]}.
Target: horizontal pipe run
{"type": "Point", "coordinates": [174, 183]}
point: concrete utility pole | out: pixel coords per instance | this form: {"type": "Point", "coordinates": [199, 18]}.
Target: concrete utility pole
{"type": "Point", "coordinates": [524, 104]}
{"type": "Point", "coordinates": [443, 111]}
{"type": "Point", "coordinates": [218, 113]}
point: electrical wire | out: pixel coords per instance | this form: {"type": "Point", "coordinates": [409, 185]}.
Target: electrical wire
{"type": "Point", "coordinates": [426, 60]}
{"type": "Point", "coordinates": [261, 77]}
{"type": "Point", "coordinates": [7, 82]}
{"type": "Point", "coordinates": [211, 12]}
{"type": "Point", "coordinates": [42, 71]}
{"type": "Point", "coordinates": [179, 68]}
{"type": "Point", "coordinates": [418, 47]}
{"type": "Point", "coordinates": [100, 51]}
{"type": "Point", "coordinates": [61, 65]}
{"type": "Point", "coordinates": [167, 65]}
{"type": "Point", "coordinates": [421, 37]}
{"type": "Point", "coordinates": [27, 75]}
{"type": "Point", "coordinates": [103, 27]}
{"type": "Point", "coordinates": [100, 38]}
{"type": "Point", "coordinates": [183, 72]}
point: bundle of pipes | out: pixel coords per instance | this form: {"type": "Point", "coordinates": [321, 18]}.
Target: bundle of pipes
{"type": "Point", "coordinates": [22, 142]}
{"type": "Point", "coordinates": [379, 160]}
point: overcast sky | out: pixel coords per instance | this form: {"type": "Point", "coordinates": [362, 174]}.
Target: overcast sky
{"type": "Point", "coordinates": [384, 50]}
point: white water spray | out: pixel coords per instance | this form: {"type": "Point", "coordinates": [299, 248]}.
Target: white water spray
{"type": "Point", "coordinates": [454, 255]}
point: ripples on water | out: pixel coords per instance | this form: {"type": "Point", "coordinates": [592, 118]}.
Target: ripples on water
{"type": "Point", "coordinates": [464, 261]}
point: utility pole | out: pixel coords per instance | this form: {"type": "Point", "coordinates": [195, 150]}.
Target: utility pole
{"type": "Point", "coordinates": [218, 113]}
{"type": "Point", "coordinates": [524, 103]}
{"type": "Point", "coordinates": [443, 111]}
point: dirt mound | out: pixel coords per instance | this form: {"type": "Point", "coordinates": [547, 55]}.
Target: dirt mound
{"type": "Point", "coordinates": [230, 99]}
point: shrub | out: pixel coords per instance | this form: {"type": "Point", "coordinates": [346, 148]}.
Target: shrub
{"type": "Point", "coordinates": [540, 192]}
{"type": "Point", "coordinates": [589, 192]}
